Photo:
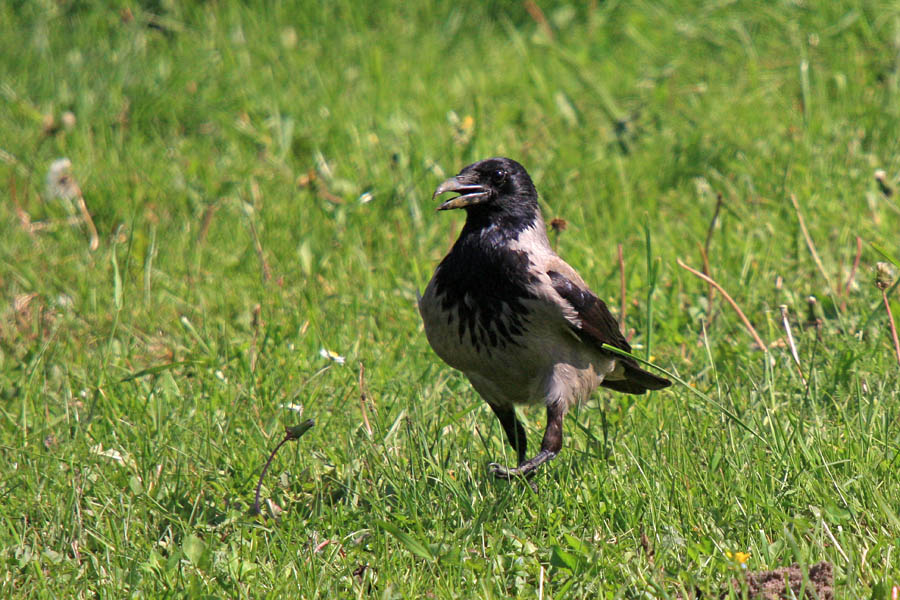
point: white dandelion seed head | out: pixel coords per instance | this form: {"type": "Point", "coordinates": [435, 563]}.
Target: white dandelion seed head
{"type": "Point", "coordinates": [60, 183]}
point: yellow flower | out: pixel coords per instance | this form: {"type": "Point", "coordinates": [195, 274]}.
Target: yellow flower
{"type": "Point", "coordinates": [740, 558]}
{"type": "Point", "coordinates": [462, 129]}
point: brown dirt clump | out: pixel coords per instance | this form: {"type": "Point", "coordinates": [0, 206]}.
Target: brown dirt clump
{"type": "Point", "coordinates": [786, 583]}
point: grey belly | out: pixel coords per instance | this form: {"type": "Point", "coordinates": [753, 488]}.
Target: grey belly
{"type": "Point", "coordinates": [544, 364]}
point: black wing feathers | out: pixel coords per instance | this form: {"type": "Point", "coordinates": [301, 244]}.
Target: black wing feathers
{"type": "Point", "coordinates": [599, 327]}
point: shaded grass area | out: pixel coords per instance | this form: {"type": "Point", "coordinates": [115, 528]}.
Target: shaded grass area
{"type": "Point", "coordinates": [141, 389]}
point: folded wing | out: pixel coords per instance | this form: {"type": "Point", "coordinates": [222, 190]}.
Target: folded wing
{"type": "Point", "coordinates": [595, 325]}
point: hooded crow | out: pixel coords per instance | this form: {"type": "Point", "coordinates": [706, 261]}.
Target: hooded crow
{"type": "Point", "coordinates": [517, 320]}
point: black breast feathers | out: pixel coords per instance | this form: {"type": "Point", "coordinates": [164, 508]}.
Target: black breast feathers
{"type": "Point", "coordinates": [481, 285]}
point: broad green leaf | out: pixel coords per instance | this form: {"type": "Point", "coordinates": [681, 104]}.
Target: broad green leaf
{"type": "Point", "coordinates": [411, 543]}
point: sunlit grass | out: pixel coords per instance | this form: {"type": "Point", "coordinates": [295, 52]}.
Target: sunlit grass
{"type": "Point", "coordinates": [283, 157]}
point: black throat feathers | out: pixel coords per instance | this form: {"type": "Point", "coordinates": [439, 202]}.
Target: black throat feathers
{"type": "Point", "coordinates": [483, 281]}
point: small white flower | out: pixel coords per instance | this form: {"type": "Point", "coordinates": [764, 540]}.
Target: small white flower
{"type": "Point", "coordinates": [332, 355]}
{"type": "Point", "coordinates": [65, 301]}
{"type": "Point", "coordinates": [114, 455]}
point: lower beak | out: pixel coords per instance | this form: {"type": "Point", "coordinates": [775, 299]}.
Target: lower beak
{"type": "Point", "coordinates": [469, 194]}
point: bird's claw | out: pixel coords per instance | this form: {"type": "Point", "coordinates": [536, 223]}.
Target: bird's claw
{"type": "Point", "coordinates": [498, 471]}
{"type": "Point", "coordinates": [501, 472]}
{"type": "Point", "coordinates": [526, 468]}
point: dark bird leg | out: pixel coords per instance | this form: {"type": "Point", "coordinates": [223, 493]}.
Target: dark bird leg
{"type": "Point", "coordinates": [550, 447]}
{"type": "Point", "coordinates": [515, 433]}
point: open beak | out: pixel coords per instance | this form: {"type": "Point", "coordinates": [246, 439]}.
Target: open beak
{"type": "Point", "coordinates": [469, 194]}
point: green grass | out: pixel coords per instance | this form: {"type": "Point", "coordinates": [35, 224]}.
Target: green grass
{"type": "Point", "coordinates": [139, 397]}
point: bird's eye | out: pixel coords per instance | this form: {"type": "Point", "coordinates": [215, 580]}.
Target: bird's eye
{"type": "Point", "coordinates": [499, 176]}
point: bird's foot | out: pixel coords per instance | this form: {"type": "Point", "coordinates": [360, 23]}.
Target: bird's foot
{"type": "Point", "coordinates": [525, 469]}
{"type": "Point", "coordinates": [501, 472]}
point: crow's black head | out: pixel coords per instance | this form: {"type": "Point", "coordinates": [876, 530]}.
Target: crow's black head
{"type": "Point", "coordinates": [492, 189]}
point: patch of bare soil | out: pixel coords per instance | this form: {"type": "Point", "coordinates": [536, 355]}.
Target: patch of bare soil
{"type": "Point", "coordinates": [786, 583]}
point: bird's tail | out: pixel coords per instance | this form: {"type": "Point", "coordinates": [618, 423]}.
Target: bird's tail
{"type": "Point", "coordinates": [636, 381]}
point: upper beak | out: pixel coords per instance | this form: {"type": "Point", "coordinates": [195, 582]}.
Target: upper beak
{"type": "Point", "coordinates": [469, 194]}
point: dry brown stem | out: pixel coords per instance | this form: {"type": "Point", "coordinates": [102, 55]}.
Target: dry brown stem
{"type": "Point", "coordinates": [887, 307]}
{"type": "Point", "coordinates": [364, 398]}
{"type": "Point", "coordinates": [538, 15]}
{"type": "Point", "coordinates": [730, 300]}
{"type": "Point", "coordinates": [86, 217]}
{"type": "Point", "coordinates": [809, 242]}
{"type": "Point", "coordinates": [205, 221]}
{"type": "Point", "coordinates": [257, 325]}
